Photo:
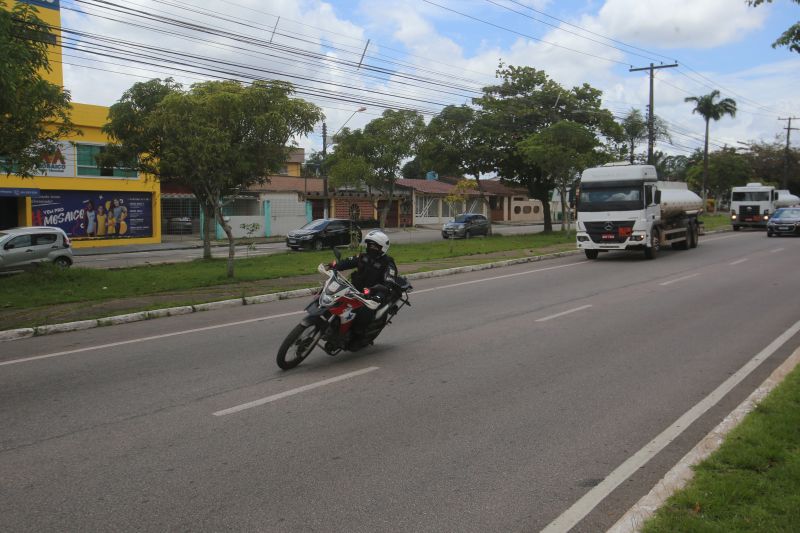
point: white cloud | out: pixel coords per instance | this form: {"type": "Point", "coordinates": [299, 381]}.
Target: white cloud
{"type": "Point", "coordinates": [680, 23]}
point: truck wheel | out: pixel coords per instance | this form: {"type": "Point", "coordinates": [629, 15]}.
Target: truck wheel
{"type": "Point", "coordinates": [694, 236]}
{"type": "Point", "coordinates": [735, 228]}
{"type": "Point", "coordinates": [650, 252]}
{"type": "Point", "coordinates": [591, 254]}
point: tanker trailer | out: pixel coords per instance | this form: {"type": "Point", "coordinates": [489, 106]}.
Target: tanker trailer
{"type": "Point", "coordinates": [625, 207]}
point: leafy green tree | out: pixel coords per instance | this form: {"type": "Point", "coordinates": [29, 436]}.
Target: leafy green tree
{"type": "Point", "coordinates": [671, 167]}
{"type": "Point", "coordinates": [636, 130]}
{"type": "Point", "coordinates": [217, 138]}
{"type": "Point", "coordinates": [707, 107]}
{"type": "Point", "coordinates": [372, 157]}
{"type": "Point", "coordinates": [726, 169]}
{"type": "Point", "coordinates": [34, 113]}
{"type": "Point", "coordinates": [790, 37]}
{"type": "Point", "coordinates": [562, 150]}
{"type": "Point", "coordinates": [770, 161]}
{"type": "Point", "coordinates": [524, 103]}
{"type": "Point", "coordinates": [314, 166]}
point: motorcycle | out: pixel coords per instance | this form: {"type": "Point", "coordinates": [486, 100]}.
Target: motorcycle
{"type": "Point", "coordinates": [329, 316]}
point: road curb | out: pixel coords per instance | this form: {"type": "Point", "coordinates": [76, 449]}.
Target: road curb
{"type": "Point", "coordinates": [25, 333]}
{"type": "Point", "coordinates": [677, 478]}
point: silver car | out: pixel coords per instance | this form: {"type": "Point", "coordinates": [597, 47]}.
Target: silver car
{"type": "Point", "coordinates": [22, 248]}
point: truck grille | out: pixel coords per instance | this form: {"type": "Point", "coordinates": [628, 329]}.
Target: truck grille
{"type": "Point", "coordinates": [601, 232]}
{"type": "Point", "coordinates": [749, 213]}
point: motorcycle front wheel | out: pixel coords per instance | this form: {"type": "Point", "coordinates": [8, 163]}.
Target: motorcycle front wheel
{"type": "Point", "coordinates": [297, 345]}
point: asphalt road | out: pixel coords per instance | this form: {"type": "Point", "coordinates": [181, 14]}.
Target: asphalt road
{"type": "Point", "coordinates": [179, 251]}
{"type": "Point", "coordinates": [496, 403]}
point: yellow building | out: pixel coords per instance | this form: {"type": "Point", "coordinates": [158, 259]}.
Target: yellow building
{"type": "Point", "coordinates": [95, 206]}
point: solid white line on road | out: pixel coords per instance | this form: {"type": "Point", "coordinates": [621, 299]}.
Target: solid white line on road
{"type": "Point", "coordinates": [551, 317]}
{"type": "Point", "coordinates": [499, 277]}
{"type": "Point", "coordinates": [591, 499]}
{"type": "Point", "coordinates": [738, 261]}
{"type": "Point", "coordinates": [776, 250]}
{"type": "Point", "coordinates": [670, 282]}
{"type": "Point", "coordinates": [151, 338]}
{"type": "Point", "coordinates": [292, 392]}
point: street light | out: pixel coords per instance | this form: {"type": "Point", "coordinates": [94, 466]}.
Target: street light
{"type": "Point", "coordinates": [325, 155]}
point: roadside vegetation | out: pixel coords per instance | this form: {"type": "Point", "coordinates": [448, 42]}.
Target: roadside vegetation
{"type": "Point", "coordinates": [716, 221]}
{"type": "Point", "coordinates": [752, 483]}
{"type": "Point", "coordinates": [49, 286]}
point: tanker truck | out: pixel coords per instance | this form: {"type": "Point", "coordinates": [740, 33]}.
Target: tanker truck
{"type": "Point", "coordinates": [754, 203]}
{"type": "Point", "coordinates": [625, 207]}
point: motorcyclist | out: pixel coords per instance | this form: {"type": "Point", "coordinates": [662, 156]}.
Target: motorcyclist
{"type": "Point", "coordinates": [374, 268]}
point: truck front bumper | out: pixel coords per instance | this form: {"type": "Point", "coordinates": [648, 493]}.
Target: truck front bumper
{"type": "Point", "coordinates": [634, 242]}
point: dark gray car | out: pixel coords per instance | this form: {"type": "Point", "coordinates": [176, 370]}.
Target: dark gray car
{"type": "Point", "coordinates": [323, 233]}
{"type": "Point", "coordinates": [465, 226]}
{"type": "Point", "coordinates": [22, 248]}
{"type": "Point", "coordinates": [785, 221]}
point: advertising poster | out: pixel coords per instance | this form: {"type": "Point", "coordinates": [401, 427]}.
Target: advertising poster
{"type": "Point", "coordinates": [96, 214]}
{"type": "Point", "coordinates": [60, 163]}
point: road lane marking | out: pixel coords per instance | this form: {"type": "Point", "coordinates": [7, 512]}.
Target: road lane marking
{"type": "Point", "coordinates": [504, 276]}
{"type": "Point", "coordinates": [776, 250]}
{"type": "Point", "coordinates": [196, 330]}
{"type": "Point", "coordinates": [738, 261]}
{"type": "Point", "coordinates": [670, 282]}
{"type": "Point", "coordinates": [591, 499]}
{"type": "Point", "coordinates": [292, 392]}
{"type": "Point", "coordinates": [551, 317]}
{"type": "Point", "coordinates": [150, 338]}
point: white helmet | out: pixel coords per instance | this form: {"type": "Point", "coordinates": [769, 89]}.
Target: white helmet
{"type": "Point", "coordinates": [379, 238]}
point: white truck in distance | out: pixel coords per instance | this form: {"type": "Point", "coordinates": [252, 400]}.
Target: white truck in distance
{"type": "Point", "coordinates": [752, 205]}
{"type": "Point", "coordinates": [625, 207]}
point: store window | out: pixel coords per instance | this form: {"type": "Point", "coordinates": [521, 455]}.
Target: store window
{"type": "Point", "coordinates": [87, 163]}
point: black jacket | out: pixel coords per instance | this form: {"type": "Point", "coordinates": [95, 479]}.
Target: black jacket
{"type": "Point", "coordinates": [370, 271]}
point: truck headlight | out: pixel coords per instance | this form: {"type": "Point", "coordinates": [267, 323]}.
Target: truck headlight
{"type": "Point", "coordinates": [637, 237]}
{"type": "Point", "coordinates": [582, 238]}
{"type": "Point", "coordinates": [733, 217]}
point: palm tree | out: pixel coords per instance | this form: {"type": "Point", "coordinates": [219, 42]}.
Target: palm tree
{"type": "Point", "coordinates": [708, 109]}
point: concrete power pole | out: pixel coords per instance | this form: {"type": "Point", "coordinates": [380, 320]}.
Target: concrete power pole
{"type": "Point", "coordinates": [789, 128]}
{"type": "Point", "coordinates": [324, 171]}
{"type": "Point", "coordinates": [651, 128]}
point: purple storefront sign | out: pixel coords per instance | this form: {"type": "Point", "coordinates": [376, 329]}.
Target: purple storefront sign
{"type": "Point", "coordinates": [95, 214]}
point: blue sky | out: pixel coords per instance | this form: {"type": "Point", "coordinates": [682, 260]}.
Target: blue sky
{"type": "Point", "coordinates": [431, 55]}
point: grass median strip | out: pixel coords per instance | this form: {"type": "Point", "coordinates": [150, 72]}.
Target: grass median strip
{"type": "Point", "coordinates": [33, 296]}
{"type": "Point", "coordinates": [752, 483]}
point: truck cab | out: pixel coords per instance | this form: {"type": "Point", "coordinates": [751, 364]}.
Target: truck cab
{"type": "Point", "coordinates": [752, 205]}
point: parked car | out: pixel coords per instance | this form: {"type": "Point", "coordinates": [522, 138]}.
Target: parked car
{"type": "Point", "coordinates": [179, 226]}
{"type": "Point", "coordinates": [784, 221]}
{"type": "Point", "coordinates": [466, 225]}
{"type": "Point", "coordinates": [322, 233]}
{"type": "Point", "coordinates": [22, 248]}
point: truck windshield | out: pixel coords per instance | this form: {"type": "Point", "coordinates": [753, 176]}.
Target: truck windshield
{"type": "Point", "coordinates": [625, 198]}
{"type": "Point", "coordinates": [750, 196]}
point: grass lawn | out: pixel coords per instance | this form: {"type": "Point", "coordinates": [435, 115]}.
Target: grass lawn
{"type": "Point", "coordinates": [752, 483]}
{"type": "Point", "coordinates": [48, 286]}
{"type": "Point", "coordinates": [716, 221]}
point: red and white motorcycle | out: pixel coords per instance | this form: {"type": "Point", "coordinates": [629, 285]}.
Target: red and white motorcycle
{"type": "Point", "coordinates": [329, 317]}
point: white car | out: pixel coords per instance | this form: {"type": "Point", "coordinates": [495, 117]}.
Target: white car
{"type": "Point", "coordinates": [22, 248]}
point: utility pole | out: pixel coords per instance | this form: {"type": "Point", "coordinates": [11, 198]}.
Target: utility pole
{"type": "Point", "coordinates": [651, 128]}
{"type": "Point", "coordinates": [324, 171]}
{"type": "Point", "coordinates": [789, 128]}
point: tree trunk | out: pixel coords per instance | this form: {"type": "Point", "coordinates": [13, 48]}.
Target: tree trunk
{"type": "Point", "coordinates": [486, 204]}
{"type": "Point", "coordinates": [208, 228]}
{"type": "Point", "coordinates": [564, 220]}
{"type": "Point", "coordinates": [229, 233]}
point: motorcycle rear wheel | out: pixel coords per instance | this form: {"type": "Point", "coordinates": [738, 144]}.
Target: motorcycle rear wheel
{"type": "Point", "coordinates": [297, 345]}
